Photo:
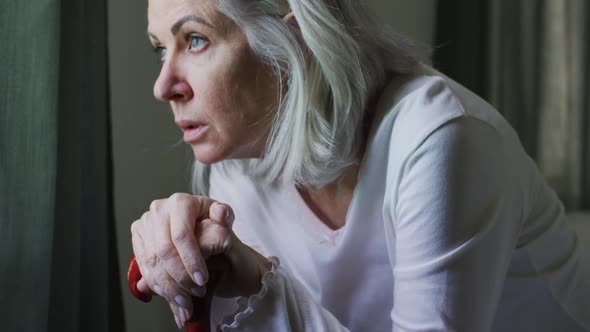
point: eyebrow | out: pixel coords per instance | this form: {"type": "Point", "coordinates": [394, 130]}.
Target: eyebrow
{"type": "Point", "coordinates": [176, 26]}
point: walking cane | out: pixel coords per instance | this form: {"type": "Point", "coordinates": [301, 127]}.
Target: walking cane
{"type": "Point", "coordinates": [199, 321]}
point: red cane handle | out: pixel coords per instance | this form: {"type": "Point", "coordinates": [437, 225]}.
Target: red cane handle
{"type": "Point", "coordinates": [133, 277]}
{"type": "Point", "coordinates": [199, 321]}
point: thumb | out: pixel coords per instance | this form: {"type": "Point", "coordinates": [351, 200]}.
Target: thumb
{"type": "Point", "coordinates": [144, 288]}
{"type": "Point", "coordinates": [221, 214]}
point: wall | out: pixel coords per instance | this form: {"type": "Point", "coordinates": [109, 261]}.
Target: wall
{"type": "Point", "coordinates": [413, 18]}
{"type": "Point", "coordinates": [149, 162]}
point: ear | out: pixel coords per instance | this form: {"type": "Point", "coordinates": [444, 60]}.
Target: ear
{"type": "Point", "coordinates": [290, 19]}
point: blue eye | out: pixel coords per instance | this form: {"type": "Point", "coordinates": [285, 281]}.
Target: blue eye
{"type": "Point", "coordinates": [160, 53]}
{"type": "Point", "coordinates": [196, 42]}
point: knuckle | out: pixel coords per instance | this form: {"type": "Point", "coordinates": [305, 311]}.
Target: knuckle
{"type": "Point", "coordinates": [176, 196]}
{"type": "Point", "coordinates": [214, 229]}
{"type": "Point", "coordinates": [214, 239]}
{"type": "Point", "coordinates": [166, 251]}
{"type": "Point", "coordinates": [192, 264]}
{"type": "Point", "coordinates": [217, 231]}
{"type": "Point", "coordinates": [180, 276]}
{"type": "Point", "coordinates": [170, 288]}
{"type": "Point", "coordinates": [156, 205]}
{"type": "Point", "coordinates": [134, 227]}
{"type": "Point", "coordinates": [180, 199]}
{"type": "Point", "coordinates": [149, 261]}
{"type": "Point", "coordinates": [181, 235]}
{"type": "Point", "coordinates": [193, 260]}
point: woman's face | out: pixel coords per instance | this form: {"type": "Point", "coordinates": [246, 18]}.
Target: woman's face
{"type": "Point", "coordinates": [222, 97]}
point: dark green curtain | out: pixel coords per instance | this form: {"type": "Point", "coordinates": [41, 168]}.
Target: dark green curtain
{"type": "Point", "coordinates": [528, 58]}
{"type": "Point", "coordinates": [58, 266]}
{"type": "Point", "coordinates": [586, 125]}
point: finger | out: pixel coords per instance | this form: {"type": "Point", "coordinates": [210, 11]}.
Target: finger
{"type": "Point", "coordinates": [143, 287]}
{"type": "Point", "coordinates": [174, 294]}
{"type": "Point", "coordinates": [222, 214]}
{"type": "Point", "coordinates": [188, 209]}
{"type": "Point", "coordinates": [202, 206]}
{"type": "Point", "coordinates": [168, 288]}
{"type": "Point", "coordinates": [168, 257]}
{"type": "Point", "coordinates": [213, 238]}
{"type": "Point", "coordinates": [153, 273]}
{"type": "Point", "coordinates": [140, 256]}
{"type": "Point", "coordinates": [181, 315]}
{"type": "Point", "coordinates": [137, 241]}
{"type": "Point", "coordinates": [182, 232]}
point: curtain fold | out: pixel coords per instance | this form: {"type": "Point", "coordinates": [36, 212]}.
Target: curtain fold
{"type": "Point", "coordinates": [59, 267]}
{"type": "Point", "coordinates": [561, 97]}
{"type": "Point", "coordinates": [28, 145]}
{"type": "Point", "coordinates": [512, 42]}
{"type": "Point", "coordinates": [460, 42]}
{"type": "Point", "coordinates": [586, 120]}
{"type": "Point", "coordinates": [534, 58]}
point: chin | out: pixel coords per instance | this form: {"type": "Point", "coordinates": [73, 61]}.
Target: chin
{"type": "Point", "coordinates": [207, 155]}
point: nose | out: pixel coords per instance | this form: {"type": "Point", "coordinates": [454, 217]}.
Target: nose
{"type": "Point", "coordinates": [170, 85]}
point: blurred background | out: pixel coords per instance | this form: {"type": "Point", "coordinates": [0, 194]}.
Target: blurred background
{"type": "Point", "coordinates": [85, 147]}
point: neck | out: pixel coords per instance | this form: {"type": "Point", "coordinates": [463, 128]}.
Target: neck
{"type": "Point", "coordinates": [330, 203]}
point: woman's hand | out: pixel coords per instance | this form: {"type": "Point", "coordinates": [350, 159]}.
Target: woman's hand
{"type": "Point", "coordinates": [174, 238]}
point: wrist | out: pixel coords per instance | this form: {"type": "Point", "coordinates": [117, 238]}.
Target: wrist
{"type": "Point", "coordinates": [264, 264]}
{"type": "Point", "coordinates": [248, 267]}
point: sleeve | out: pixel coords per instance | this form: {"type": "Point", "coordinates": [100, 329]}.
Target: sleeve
{"type": "Point", "coordinates": [282, 304]}
{"type": "Point", "coordinates": [456, 219]}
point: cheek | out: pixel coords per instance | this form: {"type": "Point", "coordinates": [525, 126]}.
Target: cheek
{"type": "Point", "coordinates": [217, 103]}
{"type": "Point", "coordinates": [210, 96]}
{"type": "Point", "coordinates": [225, 97]}
{"type": "Point", "coordinates": [235, 96]}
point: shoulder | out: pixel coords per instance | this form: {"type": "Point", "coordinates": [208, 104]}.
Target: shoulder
{"type": "Point", "coordinates": [411, 109]}
{"type": "Point", "coordinates": [437, 130]}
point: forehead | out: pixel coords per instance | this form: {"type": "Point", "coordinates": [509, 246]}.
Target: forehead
{"type": "Point", "coordinates": [162, 14]}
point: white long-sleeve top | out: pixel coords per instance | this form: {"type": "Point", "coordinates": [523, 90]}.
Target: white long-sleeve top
{"type": "Point", "coordinates": [451, 228]}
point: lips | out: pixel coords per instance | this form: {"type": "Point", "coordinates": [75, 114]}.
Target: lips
{"type": "Point", "coordinates": [193, 130]}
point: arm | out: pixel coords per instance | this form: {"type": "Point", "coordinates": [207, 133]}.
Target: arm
{"type": "Point", "coordinates": [456, 219]}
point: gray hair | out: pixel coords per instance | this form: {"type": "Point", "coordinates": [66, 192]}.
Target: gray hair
{"type": "Point", "coordinates": [318, 131]}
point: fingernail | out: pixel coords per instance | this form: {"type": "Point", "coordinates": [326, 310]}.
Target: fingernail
{"type": "Point", "coordinates": [199, 291]}
{"type": "Point", "coordinates": [158, 290]}
{"type": "Point", "coordinates": [182, 301]}
{"type": "Point", "coordinates": [200, 278]}
{"type": "Point", "coordinates": [182, 314]}
{"type": "Point", "coordinates": [177, 322]}
{"type": "Point", "coordinates": [220, 211]}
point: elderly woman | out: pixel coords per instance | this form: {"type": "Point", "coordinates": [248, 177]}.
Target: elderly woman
{"type": "Point", "coordinates": [350, 187]}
